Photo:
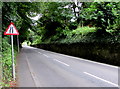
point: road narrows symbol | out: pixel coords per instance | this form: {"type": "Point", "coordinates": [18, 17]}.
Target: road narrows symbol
{"type": "Point", "coordinates": [11, 30]}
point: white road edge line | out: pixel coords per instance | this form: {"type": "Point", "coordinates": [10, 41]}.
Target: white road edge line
{"type": "Point", "coordinates": [90, 61]}
{"type": "Point", "coordinates": [102, 79]}
{"type": "Point", "coordinates": [81, 59]}
{"type": "Point", "coordinates": [61, 62]}
{"type": "Point", "coordinates": [37, 84]}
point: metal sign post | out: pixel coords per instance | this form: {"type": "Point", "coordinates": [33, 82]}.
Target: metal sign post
{"type": "Point", "coordinates": [13, 63]}
{"type": "Point", "coordinates": [18, 43]}
{"type": "Point", "coordinates": [11, 30]}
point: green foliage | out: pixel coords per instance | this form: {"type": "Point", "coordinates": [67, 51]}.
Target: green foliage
{"type": "Point", "coordinates": [55, 21]}
{"type": "Point", "coordinates": [54, 15]}
{"type": "Point", "coordinates": [70, 36]}
{"type": "Point", "coordinates": [6, 60]}
{"type": "Point", "coordinates": [84, 30]}
{"type": "Point", "coordinates": [20, 14]}
{"type": "Point", "coordinates": [37, 40]}
{"type": "Point", "coordinates": [0, 4]}
{"type": "Point", "coordinates": [101, 15]}
{"type": "Point", "coordinates": [77, 35]}
{"type": "Point", "coordinates": [55, 24]}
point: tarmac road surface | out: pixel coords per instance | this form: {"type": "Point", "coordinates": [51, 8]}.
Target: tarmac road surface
{"type": "Point", "coordinates": [41, 68]}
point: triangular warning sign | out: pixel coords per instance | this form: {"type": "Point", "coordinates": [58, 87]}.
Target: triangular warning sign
{"type": "Point", "coordinates": [11, 30]}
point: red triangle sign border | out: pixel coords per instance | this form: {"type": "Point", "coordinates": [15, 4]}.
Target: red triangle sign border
{"type": "Point", "coordinates": [11, 33]}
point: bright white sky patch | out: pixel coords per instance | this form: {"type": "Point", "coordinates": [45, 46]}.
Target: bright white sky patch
{"type": "Point", "coordinates": [36, 17]}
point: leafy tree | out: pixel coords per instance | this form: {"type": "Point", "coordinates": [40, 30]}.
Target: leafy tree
{"type": "Point", "coordinates": [54, 15]}
{"type": "Point", "coordinates": [100, 14]}
{"type": "Point", "coordinates": [19, 13]}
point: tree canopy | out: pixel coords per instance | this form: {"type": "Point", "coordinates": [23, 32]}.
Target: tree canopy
{"type": "Point", "coordinates": [58, 18]}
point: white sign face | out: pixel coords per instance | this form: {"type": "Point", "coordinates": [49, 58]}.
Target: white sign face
{"type": "Point", "coordinates": [11, 30]}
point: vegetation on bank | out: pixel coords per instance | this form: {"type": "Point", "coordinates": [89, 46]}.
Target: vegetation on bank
{"type": "Point", "coordinates": [7, 61]}
{"type": "Point", "coordinates": [92, 22]}
{"type": "Point", "coordinates": [16, 13]}
{"type": "Point", "coordinates": [81, 34]}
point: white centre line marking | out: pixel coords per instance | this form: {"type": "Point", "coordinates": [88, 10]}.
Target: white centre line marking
{"type": "Point", "coordinates": [61, 62]}
{"type": "Point", "coordinates": [46, 55]}
{"type": "Point", "coordinates": [102, 79]}
{"type": "Point", "coordinates": [80, 59]}
{"type": "Point", "coordinates": [39, 52]}
{"type": "Point", "coordinates": [88, 61]}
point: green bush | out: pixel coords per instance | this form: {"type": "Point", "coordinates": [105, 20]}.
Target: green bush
{"type": "Point", "coordinates": [77, 35]}
{"type": "Point", "coordinates": [7, 61]}
{"type": "Point", "coordinates": [36, 40]}
{"type": "Point", "coordinates": [84, 30]}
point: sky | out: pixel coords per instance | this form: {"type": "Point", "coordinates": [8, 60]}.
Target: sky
{"type": "Point", "coordinates": [36, 17]}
